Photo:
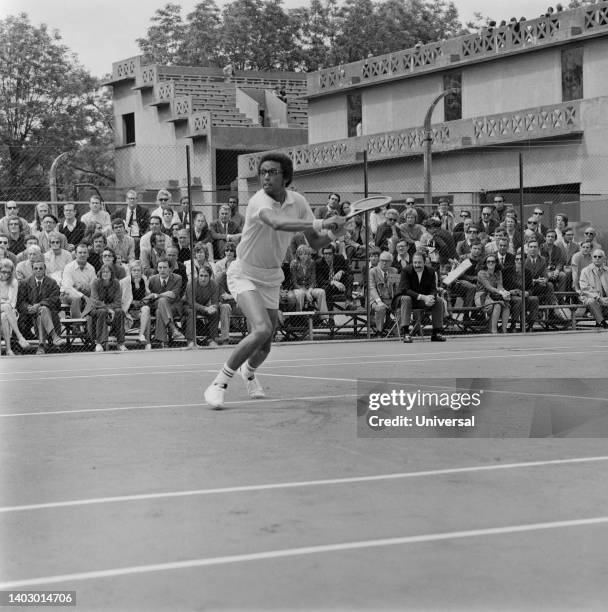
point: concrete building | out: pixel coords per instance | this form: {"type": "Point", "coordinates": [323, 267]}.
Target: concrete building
{"type": "Point", "coordinates": [158, 110]}
{"type": "Point", "coordinates": [537, 86]}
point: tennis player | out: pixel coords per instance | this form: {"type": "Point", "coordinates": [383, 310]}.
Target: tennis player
{"type": "Point", "coordinates": [254, 279]}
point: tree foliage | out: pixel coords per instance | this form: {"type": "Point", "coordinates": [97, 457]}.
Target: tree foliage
{"type": "Point", "coordinates": [49, 104]}
{"type": "Point", "coordinates": [261, 35]}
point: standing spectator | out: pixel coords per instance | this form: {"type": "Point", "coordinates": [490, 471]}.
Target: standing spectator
{"type": "Point", "coordinates": [135, 217]}
{"type": "Point", "coordinates": [138, 308]}
{"type": "Point", "coordinates": [9, 290]}
{"type": "Point", "coordinates": [388, 233]}
{"type": "Point", "coordinates": [236, 217]}
{"type": "Point", "coordinates": [165, 292]}
{"type": "Point", "coordinates": [163, 199]}
{"type": "Point", "coordinates": [97, 215]}
{"type": "Point", "coordinates": [223, 231]}
{"type": "Point", "coordinates": [107, 313]}
{"type": "Point", "coordinates": [382, 290]}
{"type": "Point", "coordinates": [418, 289]}
{"type": "Point", "coordinates": [594, 288]}
{"type": "Point", "coordinates": [490, 291]}
{"type": "Point", "coordinates": [579, 261]}
{"type": "Point", "coordinates": [73, 229]}
{"type": "Point", "coordinates": [42, 209]}
{"type": "Point", "coordinates": [38, 304]}
{"type": "Point", "coordinates": [334, 276]}
{"type": "Point", "coordinates": [49, 226]}
{"type": "Point", "coordinates": [120, 243]}
{"type": "Point", "coordinates": [56, 258]}
{"type": "Point", "coordinates": [303, 281]}
{"type": "Point", "coordinates": [206, 305]}
{"type": "Point", "coordinates": [16, 237]}
{"type": "Point", "coordinates": [151, 257]}
{"type": "Point", "coordinates": [78, 276]}
{"type": "Point", "coordinates": [24, 268]}
{"type": "Point", "coordinates": [12, 212]}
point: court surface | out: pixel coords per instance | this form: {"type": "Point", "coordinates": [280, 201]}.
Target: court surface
{"type": "Point", "coordinates": [119, 484]}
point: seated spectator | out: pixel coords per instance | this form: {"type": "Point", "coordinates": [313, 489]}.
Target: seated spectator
{"type": "Point", "coordinates": [376, 218]}
{"type": "Point", "coordinates": [222, 231]}
{"type": "Point", "coordinates": [206, 304]}
{"type": "Point", "coordinates": [331, 208]}
{"type": "Point", "coordinates": [42, 209]}
{"type": "Point", "coordinates": [388, 233]}
{"type": "Point", "coordinates": [4, 251]}
{"type": "Point", "coordinates": [555, 259]}
{"type": "Point", "coordinates": [12, 212]}
{"type": "Point", "coordinates": [200, 259]}
{"type": "Point", "coordinates": [221, 265]}
{"type": "Point", "coordinates": [176, 267]}
{"type": "Point", "coordinates": [16, 237]}
{"type": "Point", "coordinates": [334, 276]}
{"type": "Point", "coordinates": [9, 289]}
{"type": "Point", "coordinates": [568, 245]}
{"type": "Point", "coordinates": [352, 248]}
{"type": "Point", "coordinates": [38, 304]}
{"type": "Point", "coordinates": [531, 232]}
{"type": "Point", "coordinates": [466, 284]}
{"type": "Point", "coordinates": [486, 223]}
{"type": "Point", "coordinates": [471, 233]}
{"type": "Point", "coordinates": [490, 291]}
{"type": "Point", "coordinates": [500, 208]}
{"type": "Point", "coordinates": [156, 224]}
{"type": "Point", "coordinates": [78, 276]}
{"type": "Point", "coordinates": [97, 215]}
{"type": "Point", "coordinates": [303, 282]}
{"type": "Point", "coordinates": [542, 288]}
{"type": "Point", "coordinates": [561, 223]}
{"type": "Point", "coordinates": [401, 258]}
{"type": "Point", "coordinates": [31, 240]}
{"type": "Point", "coordinates": [357, 230]}
{"type": "Point", "coordinates": [228, 306]}
{"type": "Point", "coordinates": [444, 251]}
{"type": "Point", "coordinates": [164, 299]}
{"type": "Point", "coordinates": [163, 199]}
{"type": "Point", "coordinates": [167, 218]}
{"type": "Point", "coordinates": [73, 229]}
{"type": "Point", "coordinates": [374, 257]}
{"type": "Point", "coordinates": [135, 217]}
{"type": "Point", "coordinates": [411, 230]}
{"type": "Point", "coordinates": [513, 233]}
{"type": "Point", "coordinates": [56, 258]}
{"type": "Point", "coordinates": [24, 269]}
{"type": "Point", "coordinates": [120, 243]}
{"type": "Point", "coordinates": [537, 215]}
{"type": "Point", "coordinates": [235, 216]}
{"type": "Point", "coordinates": [580, 260]}
{"type": "Point", "coordinates": [418, 290]}
{"type": "Point", "coordinates": [383, 281]}
{"type": "Point", "coordinates": [90, 231]}
{"type": "Point", "coordinates": [98, 244]}
{"type": "Point", "coordinates": [49, 226]}
{"type": "Point", "coordinates": [459, 229]}
{"type": "Point", "coordinates": [183, 214]}
{"type": "Point", "coordinates": [202, 233]}
{"type": "Point", "coordinates": [594, 288]}
{"type": "Point", "coordinates": [183, 244]}
{"type": "Point", "coordinates": [106, 312]}
{"type": "Point", "coordinates": [590, 236]}
{"type": "Point", "coordinates": [492, 245]}
{"type": "Point", "coordinates": [150, 257]}
{"type": "Point", "coordinates": [445, 215]}
{"type": "Point", "coordinates": [108, 257]}
{"type": "Point", "coordinates": [137, 306]}
{"type": "Point", "coordinates": [513, 282]}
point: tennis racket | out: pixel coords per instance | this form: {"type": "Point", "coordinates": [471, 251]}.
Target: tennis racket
{"type": "Point", "coordinates": [362, 206]}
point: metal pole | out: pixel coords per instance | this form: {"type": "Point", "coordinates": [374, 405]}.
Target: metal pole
{"type": "Point", "coordinates": [522, 235]}
{"type": "Point", "coordinates": [191, 241]}
{"type": "Point", "coordinates": [428, 143]}
{"type": "Point", "coordinates": [366, 271]}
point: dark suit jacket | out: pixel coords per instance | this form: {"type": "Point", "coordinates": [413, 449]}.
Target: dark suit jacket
{"type": "Point", "coordinates": [410, 285]}
{"type": "Point", "coordinates": [142, 217]}
{"type": "Point", "coordinates": [322, 273]}
{"type": "Point", "coordinates": [218, 236]}
{"type": "Point", "coordinates": [48, 295]}
{"type": "Point", "coordinates": [384, 233]}
{"type": "Point", "coordinates": [539, 269]}
{"type": "Point", "coordinates": [174, 283]}
{"type": "Point", "coordinates": [76, 235]}
{"type": "Point", "coordinates": [492, 225]}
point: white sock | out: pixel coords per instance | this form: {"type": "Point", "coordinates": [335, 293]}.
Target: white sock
{"type": "Point", "coordinates": [248, 371]}
{"type": "Point", "coordinates": [224, 377]}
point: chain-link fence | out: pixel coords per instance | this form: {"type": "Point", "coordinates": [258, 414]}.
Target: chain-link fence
{"type": "Point", "coordinates": [556, 183]}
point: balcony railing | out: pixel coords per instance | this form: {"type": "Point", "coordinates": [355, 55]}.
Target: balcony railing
{"type": "Point", "coordinates": [511, 38]}
{"type": "Point", "coordinates": [540, 122]}
{"type": "Point", "coordinates": [199, 124]}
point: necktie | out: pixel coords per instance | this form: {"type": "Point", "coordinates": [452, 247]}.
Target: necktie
{"type": "Point", "coordinates": [163, 284]}
{"type": "Point", "coordinates": [130, 222]}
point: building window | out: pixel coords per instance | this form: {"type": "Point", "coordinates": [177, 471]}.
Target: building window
{"type": "Point", "coordinates": [572, 74]}
{"type": "Point", "coordinates": [128, 128]}
{"type": "Point", "coordinates": [353, 117]}
{"type": "Point", "coordinates": [452, 105]}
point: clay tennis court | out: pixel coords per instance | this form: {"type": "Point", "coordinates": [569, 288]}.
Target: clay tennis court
{"type": "Point", "coordinates": [119, 484]}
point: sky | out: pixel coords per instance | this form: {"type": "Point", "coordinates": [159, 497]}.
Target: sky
{"type": "Point", "coordinates": [101, 32]}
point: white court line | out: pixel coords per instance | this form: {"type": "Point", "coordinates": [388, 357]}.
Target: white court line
{"type": "Point", "coordinates": [294, 552]}
{"type": "Point", "coordinates": [198, 404]}
{"type": "Point", "coordinates": [301, 483]}
{"type": "Point", "coordinates": [414, 359]}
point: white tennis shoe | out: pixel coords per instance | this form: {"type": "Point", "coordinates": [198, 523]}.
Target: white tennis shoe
{"type": "Point", "coordinates": [214, 396]}
{"type": "Point", "coordinates": [254, 388]}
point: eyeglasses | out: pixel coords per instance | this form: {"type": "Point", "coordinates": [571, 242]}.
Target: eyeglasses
{"type": "Point", "coordinates": [532, 223]}
{"type": "Point", "coordinates": [597, 256]}
{"type": "Point", "coordinates": [589, 233]}
{"type": "Point", "coordinates": [490, 261]}
{"type": "Point", "coordinates": [163, 199]}
{"type": "Point", "coordinates": [11, 208]}
{"type": "Point", "coordinates": [55, 241]}
{"type": "Point", "coordinates": [271, 172]}
{"type": "Point", "coordinates": [498, 201]}
{"type": "Point", "coordinates": [539, 212]}
{"type": "Point", "coordinates": [485, 214]}
{"type": "Point", "coordinates": [391, 218]}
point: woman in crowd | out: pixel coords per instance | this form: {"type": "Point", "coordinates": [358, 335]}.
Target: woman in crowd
{"type": "Point", "coordinates": [411, 230]}
{"type": "Point", "coordinates": [107, 312]}
{"type": "Point", "coordinates": [8, 306]}
{"type": "Point", "coordinates": [42, 209]}
{"type": "Point", "coordinates": [303, 280]}
{"type": "Point", "coordinates": [490, 292]}
{"type": "Point", "coordinates": [139, 309]}
{"type": "Point", "coordinates": [108, 256]}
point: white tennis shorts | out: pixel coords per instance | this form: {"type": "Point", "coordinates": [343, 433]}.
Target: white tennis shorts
{"type": "Point", "coordinates": [266, 283]}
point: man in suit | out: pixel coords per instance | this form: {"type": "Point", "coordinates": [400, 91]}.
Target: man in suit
{"type": "Point", "coordinates": [382, 290]}
{"type": "Point", "coordinates": [334, 276]}
{"type": "Point", "coordinates": [38, 303]}
{"type": "Point", "coordinates": [487, 224]}
{"type": "Point", "coordinates": [513, 282]}
{"type": "Point", "coordinates": [222, 231]}
{"type": "Point", "coordinates": [183, 214]}
{"type": "Point", "coordinates": [135, 217]}
{"type": "Point", "coordinates": [150, 257]}
{"type": "Point", "coordinates": [388, 233]}
{"type": "Point", "coordinates": [12, 212]}
{"type": "Point", "coordinates": [71, 227]}
{"type": "Point", "coordinates": [542, 287]}
{"type": "Point", "coordinates": [166, 289]}
{"type": "Point", "coordinates": [418, 290]}
{"type": "Point", "coordinates": [594, 288]}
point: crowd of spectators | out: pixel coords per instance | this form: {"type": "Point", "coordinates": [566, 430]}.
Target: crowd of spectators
{"type": "Point", "coordinates": [133, 268]}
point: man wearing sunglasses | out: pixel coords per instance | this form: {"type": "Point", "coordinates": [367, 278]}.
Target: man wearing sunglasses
{"type": "Point", "coordinates": [537, 215]}
{"type": "Point", "coordinates": [12, 212]}
{"type": "Point", "coordinates": [594, 287]}
{"type": "Point", "coordinates": [591, 236]}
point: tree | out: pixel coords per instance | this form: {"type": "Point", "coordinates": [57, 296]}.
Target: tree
{"type": "Point", "coordinates": [202, 44]}
{"type": "Point", "coordinates": [46, 106]}
{"type": "Point", "coordinates": [165, 40]}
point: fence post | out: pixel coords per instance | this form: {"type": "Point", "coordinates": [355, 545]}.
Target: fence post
{"type": "Point", "coordinates": [522, 234]}
{"type": "Point", "coordinates": [191, 241]}
{"type": "Point", "coordinates": [366, 267]}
